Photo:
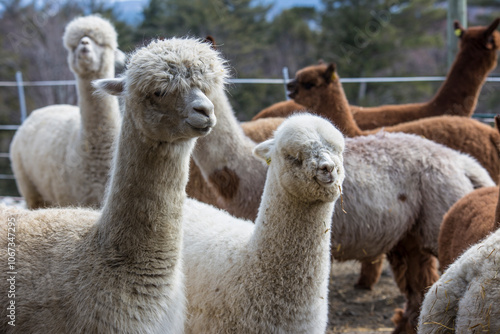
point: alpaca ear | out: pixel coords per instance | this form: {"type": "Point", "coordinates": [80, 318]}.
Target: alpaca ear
{"type": "Point", "coordinates": [114, 86]}
{"type": "Point", "coordinates": [329, 74]}
{"type": "Point", "coordinates": [497, 122]}
{"type": "Point", "coordinates": [459, 30]}
{"type": "Point", "coordinates": [492, 27]}
{"type": "Point", "coordinates": [120, 58]}
{"type": "Point", "coordinates": [210, 40]}
{"type": "Point", "coordinates": [263, 150]}
{"type": "Point", "coordinates": [490, 40]}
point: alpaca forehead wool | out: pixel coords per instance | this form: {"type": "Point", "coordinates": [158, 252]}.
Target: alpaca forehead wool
{"type": "Point", "coordinates": [306, 131]}
{"type": "Point", "coordinates": [176, 64]}
{"type": "Point", "coordinates": [93, 26]}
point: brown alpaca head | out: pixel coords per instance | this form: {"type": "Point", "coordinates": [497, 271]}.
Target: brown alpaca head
{"type": "Point", "coordinates": [310, 82]}
{"type": "Point", "coordinates": [480, 38]}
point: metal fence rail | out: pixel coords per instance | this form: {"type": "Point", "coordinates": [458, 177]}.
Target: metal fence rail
{"type": "Point", "coordinates": [20, 84]}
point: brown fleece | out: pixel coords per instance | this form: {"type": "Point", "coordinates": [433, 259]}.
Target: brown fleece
{"type": "Point", "coordinates": [457, 95]}
{"type": "Point", "coordinates": [261, 129]}
{"type": "Point", "coordinates": [467, 222]}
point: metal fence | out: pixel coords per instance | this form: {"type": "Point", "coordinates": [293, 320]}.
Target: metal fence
{"type": "Point", "coordinates": [20, 84]}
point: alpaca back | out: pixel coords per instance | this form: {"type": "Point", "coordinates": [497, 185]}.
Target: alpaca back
{"type": "Point", "coordinates": [387, 193]}
{"type": "Point", "coordinates": [463, 134]}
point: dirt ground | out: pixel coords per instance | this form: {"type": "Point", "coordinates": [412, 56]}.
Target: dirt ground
{"type": "Point", "coordinates": [361, 311]}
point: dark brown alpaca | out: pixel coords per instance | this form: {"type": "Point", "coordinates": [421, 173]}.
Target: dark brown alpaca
{"type": "Point", "coordinates": [318, 88]}
{"type": "Point", "coordinates": [458, 95]}
{"type": "Point", "coordinates": [468, 221]}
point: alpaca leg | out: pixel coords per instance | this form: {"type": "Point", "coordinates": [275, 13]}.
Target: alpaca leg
{"type": "Point", "coordinates": [370, 273]}
{"type": "Point", "coordinates": [414, 272]}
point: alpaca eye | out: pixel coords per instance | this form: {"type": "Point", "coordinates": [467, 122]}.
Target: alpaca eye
{"type": "Point", "coordinates": [294, 160]}
{"type": "Point", "coordinates": [159, 93]}
{"type": "Point", "coordinates": [308, 85]}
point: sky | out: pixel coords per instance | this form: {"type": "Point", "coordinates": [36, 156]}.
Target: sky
{"type": "Point", "coordinates": [130, 10]}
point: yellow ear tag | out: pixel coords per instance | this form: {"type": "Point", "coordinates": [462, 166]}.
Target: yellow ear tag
{"type": "Point", "coordinates": [458, 32]}
{"type": "Point", "coordinates": [268, 161]}
{"type": "Point", "coordinates": [334, 76]}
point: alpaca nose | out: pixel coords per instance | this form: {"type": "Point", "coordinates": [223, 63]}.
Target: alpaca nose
{"type": "Point", "coordinates": [203, 107]}
{"type": "Point", "coordinates": [85, 41]}
{"type": "Point", "coordinates": [326, 166]}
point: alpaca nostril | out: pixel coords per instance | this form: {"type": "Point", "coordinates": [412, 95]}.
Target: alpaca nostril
{"type": "Point", "coordinates": [326, 167]}
{"type": "Point", "coordinates": [204, 111]}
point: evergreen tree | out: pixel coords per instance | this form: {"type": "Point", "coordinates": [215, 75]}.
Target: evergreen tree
{"type": "Point", "coordinates": [369, 38]}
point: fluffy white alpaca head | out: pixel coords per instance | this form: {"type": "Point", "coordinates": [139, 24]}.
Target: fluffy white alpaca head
{"type": "Point", "coordinates": [306, 158]}
{"type": "Point", "coordinates": [178, 64]}
{"type": "Point", "coordinates": [92, 46]}
{"type": "Point", "coordinates": [166, 85]}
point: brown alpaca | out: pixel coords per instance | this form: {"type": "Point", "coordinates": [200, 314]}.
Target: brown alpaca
{"type": "Point", "coordinates": [458, 95]}
{"type": "Point", "coordinates": [468, 221]}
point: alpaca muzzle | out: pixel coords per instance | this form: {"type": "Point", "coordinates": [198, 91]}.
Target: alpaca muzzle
{"type": "Point", "coordinates": [292, 88]}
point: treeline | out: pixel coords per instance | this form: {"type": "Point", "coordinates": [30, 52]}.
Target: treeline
{"type": "Point", "coordinates": [364, 37]}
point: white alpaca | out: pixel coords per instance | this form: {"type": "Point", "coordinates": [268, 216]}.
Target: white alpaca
{"type": "Point", "coordinates": [465, 299]}
{"type": "Point", "coordinates": [271, 277]}
{"type": "Point", "coordinates": [61, 154]}
{"type": "Point", "coordinates": [397, 189]}
{"type": "Point", "coordinates": [120, 271]}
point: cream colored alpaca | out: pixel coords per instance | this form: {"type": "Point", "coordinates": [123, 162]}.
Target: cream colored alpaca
{"type": "Point", "coordinates": [61, 155]}
{"type": "Point", "coordinates": [271, 277]}
{"type": "Point", "coordinates": [120, 271]}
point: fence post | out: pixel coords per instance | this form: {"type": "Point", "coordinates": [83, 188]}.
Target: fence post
{"type": "Point", "coordinates": [457, 10]}
{"type": "Point", "coordinates": [285, 79]}
{"type": "Point", "coordinates": [20, 90]}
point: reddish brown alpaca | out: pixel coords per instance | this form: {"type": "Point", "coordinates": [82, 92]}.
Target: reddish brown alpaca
{"type": "Point", "coordinates": [319, 89]}
{"type": "Point", "coordinates": [468, 221]}
{"type": "Point", "coordinates": [458, 95]}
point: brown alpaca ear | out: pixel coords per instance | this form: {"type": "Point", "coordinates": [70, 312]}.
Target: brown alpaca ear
{"type": "Point", "coordinates": [459, 30]}
{"type": "Point", "coordinates": [497, 122]}
{"type": "Point", "coordinates": [492, 27]}
{"type": "Point", "coordinates": [488, 34]}
{"type": "Point", "coordinates": [330, 74]}
{"type": "Point", "coordinates": [210, 40]}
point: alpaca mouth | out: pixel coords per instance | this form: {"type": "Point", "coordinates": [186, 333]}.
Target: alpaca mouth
{"type": "Point", "coordinates": [325, 181]}
{"type": "Point", "coordinates": [202, 129]}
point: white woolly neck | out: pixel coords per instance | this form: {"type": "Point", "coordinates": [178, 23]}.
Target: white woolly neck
{"type": "Point", "coordinates": [144, 200]}
{"type": "Point", "coordinates": [291, 231]}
